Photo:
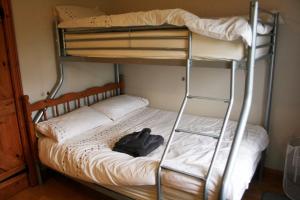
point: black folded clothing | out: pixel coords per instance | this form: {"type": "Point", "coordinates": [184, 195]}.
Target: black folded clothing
{"type": "Point", "coordinates": [139, 143]}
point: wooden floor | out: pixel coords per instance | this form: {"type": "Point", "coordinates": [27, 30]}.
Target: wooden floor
{"type": "Point", "coordinates": [60, 188]}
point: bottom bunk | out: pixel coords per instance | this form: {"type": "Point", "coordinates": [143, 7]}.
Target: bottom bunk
{"type": "Point", "coordinates": [89, 156]}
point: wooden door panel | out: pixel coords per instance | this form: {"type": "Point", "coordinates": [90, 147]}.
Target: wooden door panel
{"type": "Point", "coordinates": [7, 107]}
{"type": "Point", "coordinates": [11, 153]}
{"type": "Point", "coordinates": [9, 136]}
{"type": "Point", "coordinates": [5, 80]}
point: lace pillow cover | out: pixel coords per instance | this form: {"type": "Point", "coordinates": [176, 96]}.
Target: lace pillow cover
{"type": "Point", "coordinates": [72, 123]}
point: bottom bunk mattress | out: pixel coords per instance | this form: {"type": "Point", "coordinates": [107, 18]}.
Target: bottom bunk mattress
{"type": "Point", "coordinates": [89, 157]}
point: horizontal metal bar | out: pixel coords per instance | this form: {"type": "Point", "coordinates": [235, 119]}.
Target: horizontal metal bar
{"type": "Point", "coordinates": [264, 45]}
{"type": "Point", "coordinates": [203, 63]}
{"type": "Point", "coordinates": [208, 98]}
{"type": "Point", "coordinates": [266, 23]}
{"type": "Point", "coordinates": [268, 34]}
{"type": "Point", "coordinates": [129, 38]}
{"type": "Point", "coordinates": [182, 172]}
{"type": "Point", "coordinates": [122, 29]}
{"type": "Point", "coordinates": [130, 48]}
{"type": "Point", "coordinates": [264, 56]}
{"type": "Point", "coordinates": [266, 11]}
{"type": "Point", "coordinates": [198, 133]}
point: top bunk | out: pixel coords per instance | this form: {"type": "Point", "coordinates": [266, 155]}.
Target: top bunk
{"type": "Point", "coordinates": [167, 37]}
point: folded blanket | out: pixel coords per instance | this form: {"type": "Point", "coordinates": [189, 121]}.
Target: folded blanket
{"type": "Point", "coordinates": [139, 143]}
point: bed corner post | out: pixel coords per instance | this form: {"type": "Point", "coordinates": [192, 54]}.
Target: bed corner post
{"type": "Point", "coordinates": [118, 78]}
{"type": "Point", "coordinates": [271, 72]}
{"type": "Point", "coordinates": [239, 133]}
{"type": "Point", "coordinates": [33, 167]}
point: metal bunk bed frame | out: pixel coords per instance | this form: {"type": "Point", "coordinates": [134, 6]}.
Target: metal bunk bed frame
{"type": "Point", "coordinates": [248, 64]}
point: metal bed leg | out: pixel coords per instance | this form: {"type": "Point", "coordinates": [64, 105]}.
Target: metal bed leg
{"type": "Point", "coordinates": [53, 92]}
{"type": "Point", "coordinates": [270, 86]}
{"type": "Point", "coordinates": [246, 103]}
{"type": "Point", "coordinates": [224, 126]}
{"type": "Point", "coordinates": [39, 173]}
{"type": "Point", "coordinates": [117, 76]}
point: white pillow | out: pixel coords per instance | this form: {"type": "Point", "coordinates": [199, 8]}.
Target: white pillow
{"type": "Point", "coordinates": [66, 13]}
{"type": "Point", "coordinates": [117, 107]}
{"type": "Point", "coordinates": [72, 123]}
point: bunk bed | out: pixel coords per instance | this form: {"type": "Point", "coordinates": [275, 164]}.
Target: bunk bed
{"type": "Point", "coordinates": [177, 38]}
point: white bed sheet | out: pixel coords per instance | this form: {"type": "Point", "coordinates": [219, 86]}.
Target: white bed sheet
{"type": "Point", "coordinates": [149, 192]}
{"type": "Point", "coordinates": [89, 157]}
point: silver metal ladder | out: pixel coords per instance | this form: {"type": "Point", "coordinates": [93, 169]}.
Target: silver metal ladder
{"type": "Point", "coordinates": [242, 119]}
{"type": "Point", "coordinates": [175, 129]}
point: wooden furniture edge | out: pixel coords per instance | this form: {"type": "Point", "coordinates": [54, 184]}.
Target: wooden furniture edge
{"type": "Point", "coordinates": [13, 61]}
{"type": "Point", "coordinates": [72, 96]}
{"type": "Point", "coordinates": [13, 185]}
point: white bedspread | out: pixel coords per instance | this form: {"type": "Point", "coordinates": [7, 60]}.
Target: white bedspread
{"type": "Point", "coordinates": [231, 28]}
{"type": "Point", "coordinates": [89, 156]}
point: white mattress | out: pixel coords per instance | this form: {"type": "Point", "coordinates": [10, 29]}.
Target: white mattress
{"type": "Point", "coordinates": [89, 156]}
{"type": "Point", "coordinates": [203, 47]}
{"type": "Point", "coordinates": [149, 192]}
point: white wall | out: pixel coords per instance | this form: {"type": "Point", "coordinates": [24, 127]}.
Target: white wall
{"type": "Point", "coordinates": [33, 21]}
{"type": "Point", "coordinates": [163, 85]}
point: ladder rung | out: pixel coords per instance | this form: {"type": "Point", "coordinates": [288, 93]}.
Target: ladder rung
{"type": "Point", "coordinates": [265, 35]}
{"type": "Point", "coordinates": [198, 133]}
{"type": "Point", "coordinates": [208, 98]}
{"type": "Point", "coordinates": [266, 23]}
{"type": "Point", "coordinates": [182, 172]}
{"type": "Point", "coordinates": [264, 45]}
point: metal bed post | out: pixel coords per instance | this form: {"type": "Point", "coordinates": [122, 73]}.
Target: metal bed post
{"type": "Point", "coordinates": [60, 68]}
{"type": "Point", "coordinates": [117, 76]}
{"type": "Point", "coordinates": [55, 89]}
{"type": "Point", "coordinates": [224, 125]}
{"type": "Point", "coordinates": [187, 91]}
{"type": "Point", "coordinates": [271, 72]}
{"type": "Point", "coordinates": [270, 86]}
{"type": "Point", "coordinates": [246, 103]}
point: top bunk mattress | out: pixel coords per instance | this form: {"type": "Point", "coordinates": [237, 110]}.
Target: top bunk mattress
{"type": "Point", "coordinates": [149, 45]}
{"type": "Point", "coordinates": [89, 156]}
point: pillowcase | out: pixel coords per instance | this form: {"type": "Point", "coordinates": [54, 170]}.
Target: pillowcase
{"type": "Point", "coordinates": [66, 13]}
{"type": "Point", "coordinates": [72, 123]}
{"type": "Point", "coordinates": [117, 107]}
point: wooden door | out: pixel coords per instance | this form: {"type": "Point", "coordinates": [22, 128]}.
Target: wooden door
{"type": "Point", "coordinates": [11, 154]}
